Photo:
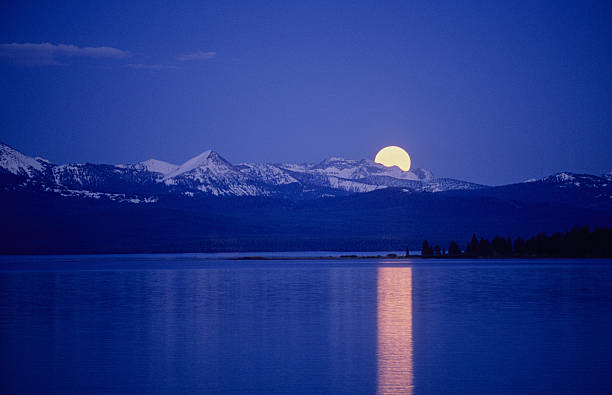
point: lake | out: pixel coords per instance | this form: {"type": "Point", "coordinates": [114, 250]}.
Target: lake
{"type": "Point", "coordinates": [206, 324]}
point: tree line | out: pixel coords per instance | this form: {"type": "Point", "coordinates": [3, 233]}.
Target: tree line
{"type": "Point", "coordinates": [579, 242]}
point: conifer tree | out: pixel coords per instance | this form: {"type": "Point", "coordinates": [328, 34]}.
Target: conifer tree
{"type": "Point", "coordinates": [426, 250]}
{"type": "Point", "coordinates": [453, 249]}
{"type": "Point", "coordinates": [472, 247]}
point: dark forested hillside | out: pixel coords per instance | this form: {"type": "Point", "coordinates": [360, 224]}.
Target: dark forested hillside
{"type": "Point", "coordinates": [38, 222]}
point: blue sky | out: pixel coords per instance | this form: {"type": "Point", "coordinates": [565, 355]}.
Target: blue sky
{"type": "Point", "coordinates": [491, 92]}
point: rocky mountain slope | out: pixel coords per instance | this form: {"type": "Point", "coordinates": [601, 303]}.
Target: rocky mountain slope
{"type": "Point", "coordinates": [210, 174]}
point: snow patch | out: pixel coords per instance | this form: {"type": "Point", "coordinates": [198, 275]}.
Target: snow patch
{"type": "Point", "coordinates": [117, 197]}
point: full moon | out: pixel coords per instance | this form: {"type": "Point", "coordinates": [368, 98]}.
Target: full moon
{"type": "Point", "coordinates": [393, 156]}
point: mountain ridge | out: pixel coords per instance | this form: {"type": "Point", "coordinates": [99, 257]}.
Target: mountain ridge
{"type": "Point", "coordinates": [210, 174]}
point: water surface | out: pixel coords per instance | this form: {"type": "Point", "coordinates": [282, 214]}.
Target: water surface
{"type": "Point", "coordinates": [183, 324]}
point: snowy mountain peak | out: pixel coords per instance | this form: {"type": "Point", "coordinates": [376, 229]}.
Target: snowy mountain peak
{"type": "Point", "coordinates": [567, 179]}
{"type": "Point", "coordinates": [364, 168]}
{"type": "Point", "coordinates": [17, 163]}
{"type": "Point", "coordinates": [158, 166]}
{"type": "Point", "coordinates": [207, 160]}
{"type": "Point", "coordinates": [561, 177]}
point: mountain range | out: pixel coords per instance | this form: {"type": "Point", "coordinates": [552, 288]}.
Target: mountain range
{"type": "Point", "coordinates": [210, 174]}
{"type": "Point", "coordinates": [210, 204]}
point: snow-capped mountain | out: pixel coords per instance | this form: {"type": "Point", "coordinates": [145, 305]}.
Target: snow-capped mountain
{"type": "Point", "coordinates": [210, 174]}
{"type": "Point", "coordinates": [562, 189]}
{"type": "Point", "coordinates": [573, 180]}
{"type": "Point", "coordinates": [362, 169]}
{"type": "Point", "coordinates": [153, 165]}
{"type": "Point", "coordinates": [14, 162]}
{"type": "Point", "coordinates": [366, 175]}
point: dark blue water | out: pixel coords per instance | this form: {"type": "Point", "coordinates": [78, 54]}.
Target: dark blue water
{"type": "Point", "coordinates": [182, 324]}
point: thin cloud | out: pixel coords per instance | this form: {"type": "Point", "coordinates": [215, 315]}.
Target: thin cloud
{"type": "Point", "coordinates": [143, 66]}
{"type": "Point", "coordinates": [50, 54]}
{"type": "Point", "coordinates": [199, 55]}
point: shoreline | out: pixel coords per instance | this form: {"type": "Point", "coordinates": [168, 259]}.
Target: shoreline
{"type": "Point", "coordinates": [373, 257]}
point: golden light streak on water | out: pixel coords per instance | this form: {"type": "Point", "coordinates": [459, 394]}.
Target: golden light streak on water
{"type": "Point", "coordinates": [394, 351]}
